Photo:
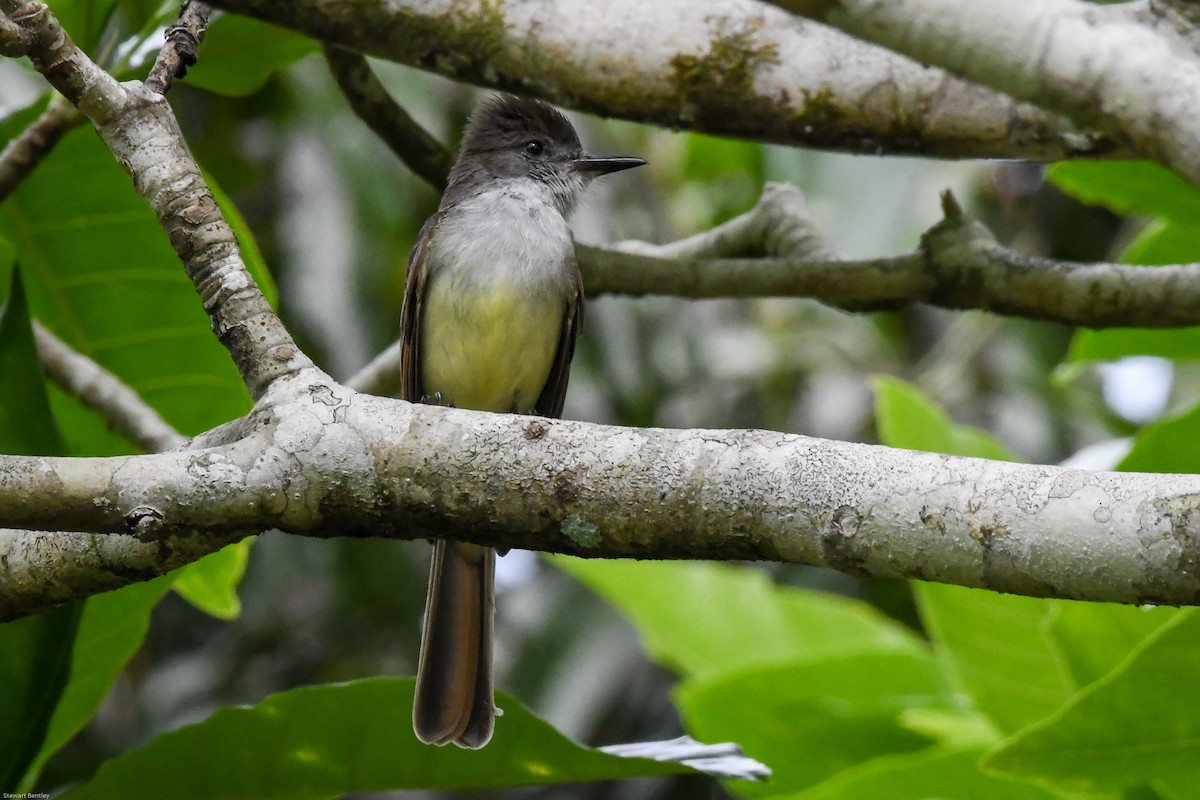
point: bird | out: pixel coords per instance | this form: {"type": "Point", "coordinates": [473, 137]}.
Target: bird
{"type": "Point", "coordinates": [493, 302]}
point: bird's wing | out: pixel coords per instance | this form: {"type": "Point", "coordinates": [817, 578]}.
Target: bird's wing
{"type": "Point", "coordinates": [550, 403]}
{"type": "Point", "coordinates": [411, 388]}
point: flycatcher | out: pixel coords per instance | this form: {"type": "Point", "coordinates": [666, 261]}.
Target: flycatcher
{"type": "Point", "coordinates": [493, 302]}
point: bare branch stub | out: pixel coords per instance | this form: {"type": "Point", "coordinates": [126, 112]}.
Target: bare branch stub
{"type": "Point", "coordinates": [182, 46]}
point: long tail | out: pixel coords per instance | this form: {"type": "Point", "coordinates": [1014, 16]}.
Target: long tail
{"type": "Point", "coordinates": [454, 676]}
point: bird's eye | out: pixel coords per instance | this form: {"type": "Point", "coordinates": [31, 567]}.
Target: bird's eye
{"type": "Point", "coordinates": [534, 148]}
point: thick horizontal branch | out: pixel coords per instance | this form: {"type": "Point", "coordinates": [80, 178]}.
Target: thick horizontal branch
{"type": "Point", "coordinates": [325, 461]}
{"type": "Point", "coordinates": [1136, 76]}
{"type": "Point", "coordinates": [141, 131]}
{"type": "Point", "coordinates": [734, 67]}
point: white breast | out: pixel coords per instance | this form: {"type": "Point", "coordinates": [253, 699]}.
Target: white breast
{"type": "Point", "coordinates": [500, 274]}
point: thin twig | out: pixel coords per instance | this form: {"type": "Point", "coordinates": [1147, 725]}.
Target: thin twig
{"type": "Point", "coordinates": [415, 146]}
{"type": "Point", "coordinates": [121, 407]}
{"type": "Point", "coordinates": [381, 376]}
{"type": "Point", "coordinates": [959, 265]}
{"type": "Point", "coordinates": [27, 149]}
{"type": "Point", "coordinates": [181, 50]}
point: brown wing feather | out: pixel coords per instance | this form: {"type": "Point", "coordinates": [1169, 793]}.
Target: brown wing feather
{"type": "Point", "coordinates": [411, 387]}
{"type": "Point", "coordinates": [550, 403]}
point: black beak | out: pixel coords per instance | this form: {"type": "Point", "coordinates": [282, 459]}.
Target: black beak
{"type": "Point", "coordinates": [591, 166]}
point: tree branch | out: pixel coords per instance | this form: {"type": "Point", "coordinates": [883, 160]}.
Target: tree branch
{"type": "Point", "coordinates": [120, 406]}
{"type": "Point", "coordinates": [315, 458]}
{"type": "Point", "coordinates": [958, 265]}
{"type": "Point", "coordinates": [325, 461]}
{"type": "Point", "coordinates": [411, 143]}
{"type": "Point", "coordinates": [1135, 77]}
{"type": "Point", "coordinates": [740, 68]}
{"type": "Point", "coordinates": [180, 51]}
{"type": "Point", "coordinates": [143, 135]}
{"type": "Point", "coordinates": [381, 376]}
{"type": "Point", "coordinates": [26, 151]}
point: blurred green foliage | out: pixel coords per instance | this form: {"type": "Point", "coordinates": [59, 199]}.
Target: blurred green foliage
{"type": "Point", "coordinates": [846, 688]}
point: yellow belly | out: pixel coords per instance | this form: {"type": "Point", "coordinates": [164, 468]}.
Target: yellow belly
{"type": "Point", "coordinates": [489, 349]}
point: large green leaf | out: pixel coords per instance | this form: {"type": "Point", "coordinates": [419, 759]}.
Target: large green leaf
{"type": "Point", "coordinates": [35, 660]}
{"type": "Point", "coordinates": [111, 630]}
{"type": "Point", "coordinates": [1138, 724]}
{"type": "Point", "coordinates": [1094, 638]}
{"type": "Point", "coordinates": [747, 620]}
{"type": "Point", "coordinates": [35, 652]}
{"type": "Point", "coordinates": [102, 275]}
{"type": "Point", "coordinates": [1001, 649]}
{"type": "Point", "coordinates": [240, 53]}
{"type": "Point", "coordinates": [813, 719]}
{"type": "Point", "coordinates": [1126, 187]}
{"type": "Point", "coordinates": [26, 424]}
{"type": "Point", "coordinates": [326, 741]}
{"type": "Point", "coordinates": [931, 773]}
{"type": "Point", "coordinates": [908, 419]}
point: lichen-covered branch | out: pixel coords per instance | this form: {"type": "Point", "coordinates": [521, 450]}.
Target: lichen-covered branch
{"type": "Point", "coordinates": [325, 461]}
{"type": "Point", "coordinates": [141, 131]}
{"type": "Point", "coordinates": [120, 406]}
{"type": "Point", "coordinates": [1135, 76]}
{"type": "Point", "coordinates": [730, 67]}
{"type": "Point", "coordinates": [959, 264]}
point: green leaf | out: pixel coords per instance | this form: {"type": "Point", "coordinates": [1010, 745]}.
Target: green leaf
{"type": "Point", "coordinates": [1129, 187]}
{"type": "Point", "coordinates": [1179, 787]}
{"type": "Point", "coordinates": [1138, 724]}
{"type": "Point", "coordinates": [55, 668]}
{"type": "Point", "coordinates": [35, 652]}
{"type": "Point", "coordinates": [955, 729]}
{"type": "Point", "coordinates": [1095, 637]}
{"type": "Point", "coordinates": [1163, 242]}
{"type": "Point", "coordinates": [87, 253]}
{"type": "Point", "coordinates": [748, 620]}
{"type": "Point", "coordinates": [1111, 344]}
{"type": "Point", "coordinates": [326, 741]}
{"type": "Point", "coordinates": [26, 424]}
{"type": "Point", "coordinates": [210, 584]}
{"type": "Point", "coordinates": [240, 53]}
{"type": "Point", "coordinates": [1001, 650]}
{"type": "Point", "coordinates": [111, 630]}
{"type": "Point", "coordinates": [35, 660]}
{"type": "Point", "coordinates": [931, 773]}
{"type": "Point", "coordinates": [1161, 447]}
{"type": "Point", "coordinates": [83, 20]}
{"type": "Point", "coordinates": [813, 719]}
{"type": "Point", "coordinates": [908, 419]}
